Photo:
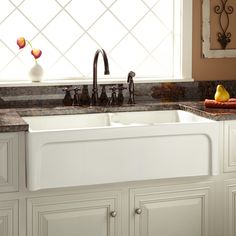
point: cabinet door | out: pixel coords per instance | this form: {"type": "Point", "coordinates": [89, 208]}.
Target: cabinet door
{"type": "Point", "coordinates": [169, 212]}
{"type": "Point", "coordinates": [230, 208]}
{"type": "Point", "coordinates": [74, 215]}
{"type": "Point", "coordinates": [8, 162]}
{"type": "Point", "coordinates": [229, 146]}
{"type": "Point", "coordinates": [9, 218]}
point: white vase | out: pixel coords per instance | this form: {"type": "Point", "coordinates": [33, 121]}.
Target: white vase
{"type": "Point", "coordinates": [36, 73]}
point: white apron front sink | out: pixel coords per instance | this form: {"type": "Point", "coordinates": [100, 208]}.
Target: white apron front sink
{"type": "Point", "coordinates": [88, 149]}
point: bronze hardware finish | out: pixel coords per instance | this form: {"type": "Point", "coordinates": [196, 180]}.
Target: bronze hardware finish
{"type": "Point", "coordinates": [138, 211]}
{"type": "Point", "coordinates": [103, 100]}
{"type": "Point", "coordinates": [67, 101]}
{"type": "Point", "coordinates": [131, 87]}
{"type": "Point", "coordinates": [76, 97]}
{"type": "Point", "coordinates": [113, 100]}
{"type": "Point", "coordinates": [120, 97]}
{"type": "Point", "coordinates": [84, 99]}
{"type": "Point", "coordinates": [113, 214]}
{"type": "Point", "coordinates": [106, 72]}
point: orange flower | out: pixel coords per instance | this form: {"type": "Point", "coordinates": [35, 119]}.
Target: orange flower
{"type": "Point", "coordinates": [21, 42]}
{"type": "Point", "coordinates": [36, 53]}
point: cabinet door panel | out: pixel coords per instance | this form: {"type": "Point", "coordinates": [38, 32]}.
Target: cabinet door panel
{"type": "Point", "coordinates": [171, 213]}
{"type": "Point", "coordinates": [8, 162]}
{"type": "Point", "coordinates": [9, 218]}
{"type": "Point", "coordinates": [230, 208]}
{"type": "Point", "coordinates": [80, 221]}
{"type": "Point", "coordinates": [174, 217]}
{"type": "Point", "coordinates": [72, 216]}
{"type": "Point", "coordinates": [229, 146]}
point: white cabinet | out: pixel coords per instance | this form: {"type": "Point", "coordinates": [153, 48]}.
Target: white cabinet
{"type": "Point", "coordinates": [8, 162]}
{"type": "Point", "coordinates": [230, 208]}
{"type": "Point", "coordinates": [172, 211]}
{"type": "Point", "coordinates": [230, 146]}
{"type": "Point", "coordinates": [9, 218]}
{"type": "Point", "coordinates": [73, 215]}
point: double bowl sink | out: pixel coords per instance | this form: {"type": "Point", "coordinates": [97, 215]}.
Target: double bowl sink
{"type": "Point", "coordinates": [100, 148]}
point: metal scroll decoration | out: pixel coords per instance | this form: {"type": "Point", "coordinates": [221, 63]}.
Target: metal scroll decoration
{"type": "Point", "coordinates": [224, 10]}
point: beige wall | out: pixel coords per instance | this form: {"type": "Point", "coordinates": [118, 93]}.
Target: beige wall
{"type": "Point", "coordinates": [208, 69]}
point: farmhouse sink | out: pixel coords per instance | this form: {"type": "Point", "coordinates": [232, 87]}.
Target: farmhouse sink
{"type": "Point", "coordinates": [88, 149]}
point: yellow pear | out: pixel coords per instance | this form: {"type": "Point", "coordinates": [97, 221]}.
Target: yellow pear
{"type": "Point", "coordinates": [221, 94]}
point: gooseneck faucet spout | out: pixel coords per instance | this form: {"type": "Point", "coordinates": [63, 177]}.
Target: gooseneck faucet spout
{"type": "Point", "coordinates": [106, 72]}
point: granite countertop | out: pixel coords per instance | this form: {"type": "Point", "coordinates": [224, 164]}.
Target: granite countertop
{"type": "Point", "coordinates": [11, 121]}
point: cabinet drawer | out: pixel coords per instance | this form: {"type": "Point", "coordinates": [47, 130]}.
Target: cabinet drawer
{"type": "Point", "coordinates": [230, 146]}
{"type": "Point", "coordinates": [8, 162]}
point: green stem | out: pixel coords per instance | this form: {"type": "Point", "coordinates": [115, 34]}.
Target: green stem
{"type": "Point", "coordinates": [29, 43]}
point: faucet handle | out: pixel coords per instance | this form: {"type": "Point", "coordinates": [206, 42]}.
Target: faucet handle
{"type": "Point", "coordinates": [76, 96]}
{"type": "Point", "coordinates": [120, 98]}
{"type": "Point", "coordinates": [67, 89]}
{"type": "Point", "coordinates": [113, 100]}
{"type": "Point", "coordinates": [67, 100]}
{"type": "Point", "coordinates": [84, 97]}
{"type": "Point", "coordinates": [103, 100]}
{"type": "Point", "coordinates": [113, 88]}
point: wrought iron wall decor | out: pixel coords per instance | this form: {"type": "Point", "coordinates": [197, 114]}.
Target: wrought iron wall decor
{"type": "Point", "coordinates": [224, 10]}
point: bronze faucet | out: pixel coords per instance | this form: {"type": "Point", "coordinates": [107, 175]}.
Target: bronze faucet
{"type": "Point", "coordinates": [106, 72]}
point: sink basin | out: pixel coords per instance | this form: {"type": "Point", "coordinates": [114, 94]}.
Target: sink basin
{"type": "Point", "coordinates": [103, 120]}
{"type": "Point", "coordinates": [88, 149]}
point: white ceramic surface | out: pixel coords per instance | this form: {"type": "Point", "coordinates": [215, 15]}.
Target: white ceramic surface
{"type": "Point", "coordinates": [88, 149]}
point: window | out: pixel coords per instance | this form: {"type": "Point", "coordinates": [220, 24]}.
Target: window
{"type": "Point", "coordinates": [151, 37]}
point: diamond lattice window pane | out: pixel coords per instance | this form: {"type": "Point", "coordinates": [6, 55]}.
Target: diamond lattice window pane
{"type": "Point", "coordinates": [150, 36]}
{"type": "Point", "coordinates": [63, 69]}
{"type": "Point", "coordinates": [150, 3]}
{"type": "Point", "coordinates": [16, 69]}
{"type": "Point", "coordinates": [61, 27]}
{"type": "Point", "coordinates": [17, 2]}
{"type": "Point", "coordinates": [40, 12]}
{"type": "Point", "coordinates": [5, 9]}
{"type": "Point", "coordinates": [108, 2]}
{"type": "Point", "coordinates": [129, 54]}
{"type": "Point", "coordinates": [49, 53]}
{"type": "Point", "coordinates": [8, 55]}
{"type": "Point", "coordinates": [107, 31]}
{"type": "Point", "coordinates": [164, 55]}
{"type": "Point", "coordinates": [86, 12]}
{"type": "Point", "coordinates": [63, 2]}
{"type": "Point", "coordinates": [151, 68]}
{"type": "Point", "coordinates": [82, 53]}
{"type": "Point", "coordinates": [163, 8]}
{"type": "Point", "coordinates": [15, 26]}
{"type": "Point", "coordinates": [129, 12]}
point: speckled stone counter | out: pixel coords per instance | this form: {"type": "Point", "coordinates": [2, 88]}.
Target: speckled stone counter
{"type": "Point", "coordinates": [11, 121]}
{"type": "Point", "coordinates": [210, 113]}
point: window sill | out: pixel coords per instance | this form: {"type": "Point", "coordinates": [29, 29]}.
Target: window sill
{"type": "Point", "coordinates": [65, 82]}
